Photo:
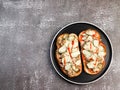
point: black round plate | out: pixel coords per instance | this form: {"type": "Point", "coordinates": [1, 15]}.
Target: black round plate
{"type": "Point", "coordinates": [76, 28]}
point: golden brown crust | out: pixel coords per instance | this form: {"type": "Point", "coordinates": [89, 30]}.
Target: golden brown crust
{"type": "Point", "coordinates": [59, 43]}
{"type": "Point", "coordinates": [96, 36]}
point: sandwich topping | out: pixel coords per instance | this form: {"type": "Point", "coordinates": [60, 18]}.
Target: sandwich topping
{"type": "Point", "coordinates": [93, 50]}
{"type": "Point", "coordinates": [70, 54]}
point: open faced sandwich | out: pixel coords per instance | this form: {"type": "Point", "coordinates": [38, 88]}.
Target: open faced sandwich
{"type": "Point", "coordinates": [93, 51]}
{"type": "Point", "coordinates": [68, 54]}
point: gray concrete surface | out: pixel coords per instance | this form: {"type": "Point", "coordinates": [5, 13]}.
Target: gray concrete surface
{"type": "Point", "coordinates": [26, 30]}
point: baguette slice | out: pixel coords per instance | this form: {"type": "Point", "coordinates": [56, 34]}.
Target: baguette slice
{"type": "Point", "coordinates": [68, 54]}
{"type": "Point", "coordinates": [93, 51]}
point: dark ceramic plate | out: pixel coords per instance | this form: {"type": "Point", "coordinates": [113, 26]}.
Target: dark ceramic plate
{"type": "Point", "coordinates": [76, 28]}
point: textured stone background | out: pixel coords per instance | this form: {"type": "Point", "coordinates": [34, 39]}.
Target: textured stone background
{"type": "Point", "coordinates": [26, 30]}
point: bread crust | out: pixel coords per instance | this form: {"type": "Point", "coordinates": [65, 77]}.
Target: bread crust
{"type": "Point", "coordinates": [59, 43]}
{"type": "Point", "coordinates": [84, 59]}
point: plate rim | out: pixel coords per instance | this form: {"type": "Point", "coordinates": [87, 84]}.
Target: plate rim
{"type": "Point", "coordinates": [54, 37]}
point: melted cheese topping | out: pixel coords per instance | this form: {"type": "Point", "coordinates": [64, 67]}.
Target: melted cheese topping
{"type": "Point", "coordinates": [90, 32]}
{"type": "Point", "coordinates": [94, 56]}
{"type": "Point", "coordinates": [96, 43]}
{"type": "Point", "coordinates": [75, 68]}
{"type": "Point", "coordinates": [91, 64]}
{"type": "Point", "coordinates": [84, 38]}
{"type": "Point", "coordinates": [87, 46]}
{"type": "Point", "coordinates": [87, 54]}
{"type": "Point", "coordinates": [69, 51]}
{"type": "Point", "coordinates": [71, 38]}
{"type": "Point", "coordinates": [74, 49]}
{"type": "Point", "coordinates": [101, 48]}
{"type": "Point", "coordinates": [67, 58]}
{"type": "Point", "coordinates": [78, 62]}
{"type": "Point", "coordinates": [67, 66]}
{"type": "Point", "coordinates": [67, 43]}
{"type": "Point", "coordinates": [92, 50]}
{"type": "Point", "coordinates": [89, 38]}
{"type": "Point", "coordinates": [101, 54]}
{"type": "Point", "coordinates": [66, 54]}
{"type": "Point", "coordinates": [75, 54]}
{"type": "Point", "coordinates": [62, 49]}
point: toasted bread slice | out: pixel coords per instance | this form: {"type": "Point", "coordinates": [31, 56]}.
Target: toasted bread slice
{"type": "Point", "coordinates": [68, 54]}
{"type": "Point", "coordinates": [93, 51]}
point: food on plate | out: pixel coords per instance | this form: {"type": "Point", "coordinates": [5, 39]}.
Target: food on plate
{"type": "Point", "coordinates": [93, 51]}
{"type": "Point", "coordinates": [68, 54]}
